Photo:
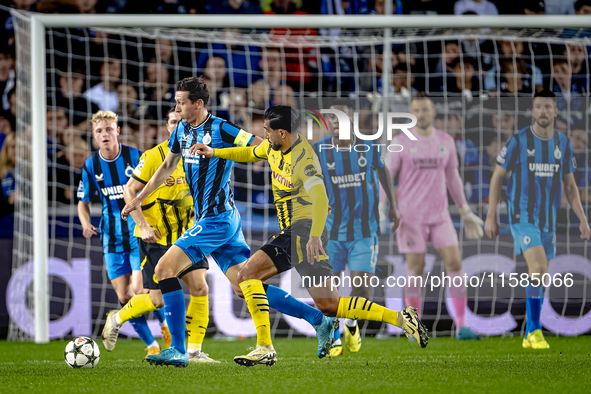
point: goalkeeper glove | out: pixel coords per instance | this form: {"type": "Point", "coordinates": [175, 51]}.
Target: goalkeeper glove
{"type": "Point", "coordinates": [472, 223]}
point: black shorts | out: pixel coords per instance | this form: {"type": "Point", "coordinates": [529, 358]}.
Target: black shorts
{"type": "Point", "coordinates": [150, 254]}
{"type": "Point", "coordinates": [288, 249]}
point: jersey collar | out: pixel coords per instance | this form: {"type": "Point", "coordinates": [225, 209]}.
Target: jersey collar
{"type": "Point", "coordinates": [110, 161]}
{"type": "Point", "coordinates": [298, 141]}
{"type": "Point", "coordinates": [200, 124]}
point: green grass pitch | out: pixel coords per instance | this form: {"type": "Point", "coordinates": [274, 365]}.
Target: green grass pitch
{"type": "Point", "coordinates": [382, 366]}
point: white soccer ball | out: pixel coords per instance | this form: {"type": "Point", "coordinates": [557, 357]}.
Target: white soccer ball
{"type": "Point", "coordinates": [82, 352]}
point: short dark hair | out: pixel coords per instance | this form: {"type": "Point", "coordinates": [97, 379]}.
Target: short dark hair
{"type": "Point", "coordinates": [581, 3]}
{"type": "Point", "coordinates": [344, 102]}
{"type": "Point", "coordinates": [170, 110]}
{"type": "Point", "coordinates": [196, 87]}
{"type": "Point", "coordinates": [545, 93]}
{"type": "Point", "coordinates": [282, 117]}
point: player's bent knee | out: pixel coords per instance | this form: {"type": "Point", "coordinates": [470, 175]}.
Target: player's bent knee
{"type": "Point", "coordinates": [454, 266]}
{"type": "Point", "coordinates": [246, 274]}
{"type": "Point", "coordinates": [328, 306]}
{"type": "Point", "coordinates": [199, 290]}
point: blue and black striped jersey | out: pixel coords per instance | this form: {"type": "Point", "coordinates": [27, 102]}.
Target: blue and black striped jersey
{"type": "Point", "coordinates": [353, 190]}
{"type": "Point", "coordinates": [109, 178]}
{"type": "Point", "coordinates": [208, 178]}
{"type": "Point", "coordinates": [538, 166]}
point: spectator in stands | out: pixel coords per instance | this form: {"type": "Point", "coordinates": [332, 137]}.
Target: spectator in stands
{"type": "Point", "coordinates": [7, 76]}
{"type": "Point", "coordinates": [515, 80]}
{"type": "Point", "coordinates": [70, 95]}
{"type": "Point", "coordinates": [7, 165]}
{"type": "Point", "coordinates": [510, 50]}
{"type": "Point", "coordinates": [148, 134]}
{"type": "Point", "coordinates": [179, 7]}
{"type": "Point", "coordinates": [402, 81]}
{"type": "Point", "coordinates": [283, 95]}
{"type": "Point", "coordinates": [259, 94]}
{"type": "Point", "coordinates": [104, 94]}
{"type": "Point", "coordinates": [478, 187]}
{"type": "Point", "coordinates": [583, 7]}
{"type": "Point", "coordinates": [569, 93]}
{"type": "Point", "coordinates": [580, 141]}
{"type": "Point", "coordinates": [242, 63]}
{"type": "Point", "coordinates": [8, 118]}
{"type": "Point", "coordinates": [86, 6]}
{"type": "Point", "coordinates": [158, 93]}
{"type": "Point", "coordinates": [57, 123]}
{"type": "Point", "coordinates": [503, 121]}
{"type": "Point", "coordinates": [380, 7]}
{"type": "Point", "coordinates": [237, 110]}
{"type": "Point", "coordinates": [68, 171]}
{"type": "Point", "coordinates": [163, 53]}
{"type": "Point", "coordinates": [233, 7]}
{"type": "Point", "coordinates": [427, 7]}
{"type": "Point", "coordinates": [560, 7]}
{"type": "Point", "coordinates": [576, 56]}
{"type": "Point", "coordinates": [481, 7]}
{"type": "Point", "coordinates": [452, 124]}
{"type": "Point", "coordinates": [127, 99]}
{"type": "Point", "coordinates": [215, 77]}
{"type": "Point", "coordinates": [463, 78]}
{"type": "Point", "coordinates": [536, 7]}
{"type": "Point", "coordinates": [451, 51]}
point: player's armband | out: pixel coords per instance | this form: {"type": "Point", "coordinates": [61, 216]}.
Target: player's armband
{"type": "Point", "coordinates": [311, 182]}
{"type": "Point", "coordinates": [243, 138]}
{"type": "Point", "coordinates": [80, 193]}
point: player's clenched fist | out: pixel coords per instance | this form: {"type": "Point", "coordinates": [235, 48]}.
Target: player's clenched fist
{"type": "Point", "coordinates": [201, 149]}
{"type": "Point", "coordinates": [585, 231]}
{"type": "Point", "coordinates": [88, 231]}
{"type": "Point", "coordinates": [491, 227]}
{"type": "Point", "coordinates": [130, 207]}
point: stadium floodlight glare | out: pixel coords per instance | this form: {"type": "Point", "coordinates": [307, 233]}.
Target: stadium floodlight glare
{"type": "Point", "coordinates": [35, 41]}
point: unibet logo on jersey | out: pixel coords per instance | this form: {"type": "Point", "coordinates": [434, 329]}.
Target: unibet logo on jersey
{"type": "Point", "coordinates": [113, 192]}
{"type": "Point", "coordinates": [349, 180]}
{"type": "Point", "coordinates": [544, 169]}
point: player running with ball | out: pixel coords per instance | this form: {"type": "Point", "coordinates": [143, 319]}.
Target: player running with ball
{"type": "Point", "coordinates": [427, 169]}
{"type": "Point", "coordinates": [302, 208]}
{"type": "Point", "coordinates": [540, 158]}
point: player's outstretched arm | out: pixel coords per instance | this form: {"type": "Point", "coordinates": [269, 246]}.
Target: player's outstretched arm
{"type": "Point", "coordinates": [574, 199]}
{"type": "Point", "coordinates": [132, 188]}
{"type": "Point", "coordinates": [386, 181]}
{"type": "Point", "coordinates": [88, 230]}
{"type": "Point", "coordinates": [241, 154]}
{"type": "Point", "coordinates": [491, 226]}
{"type": "Point", "coordinates": [164, 171]}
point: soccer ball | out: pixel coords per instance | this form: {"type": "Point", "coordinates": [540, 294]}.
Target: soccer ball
{"type": "Point", "coordinates": [82, 352]}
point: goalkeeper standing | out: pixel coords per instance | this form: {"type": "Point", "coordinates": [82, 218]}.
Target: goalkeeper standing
{"type": "Point", "coordinates": [427, 168]}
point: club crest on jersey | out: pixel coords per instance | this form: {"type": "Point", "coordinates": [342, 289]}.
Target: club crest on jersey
{"type": "Point", "coordinates": [557, 153]}
{"type": "Point", "coordinates": [526, 240]}
{"type": "Point", "coordinates": [442, 149]}
{"type": "Point", "coordinates": [362, 161]}
{"type": "Point", "coordinates": [207, 139]}
{"type": "Point", "coordinates": [310, 170]}
{"type": "Point", "coordinates": [128, 171]}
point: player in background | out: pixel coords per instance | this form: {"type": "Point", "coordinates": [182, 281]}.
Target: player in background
{"type": "Point", "coordinates": [218, 229]}
{"type": "Point", "coordinates": [539, 158]}
{"type": "Point", "coordinates": [302, 208]}
{"type": "Point", "coordinates": [427, 168]}
{"type": "Point", "coordinates": [353, 180]}
{"type": "Point", "coordinates": [165, 215]}
{"type": "Point", "coordinates": [108, 170]}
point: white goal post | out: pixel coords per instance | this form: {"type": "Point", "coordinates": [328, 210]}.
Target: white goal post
{"type": "Point", "coordinates": [40, 22]}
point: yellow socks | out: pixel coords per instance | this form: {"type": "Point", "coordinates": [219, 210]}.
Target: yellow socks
{"type": "Point", "coordinates": [258, 305]}
{"type": "Point", "coordinates": [139, 305]}
{"type": "Point", "coordinates": [359, 308]}
{"type": "Point", "coordinates": [197, 321]}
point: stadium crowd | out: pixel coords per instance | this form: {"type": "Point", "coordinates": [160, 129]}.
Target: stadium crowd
{"type": "Point", "coordinates": [482, 87]}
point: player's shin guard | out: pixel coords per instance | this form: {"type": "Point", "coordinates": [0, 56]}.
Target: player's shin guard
{"type": "Point", "coordinates": [258, 305]}
{"type": "Point", "coordinates": [412, 291]}
{"type": "Point", "coordinates": [535, 298]}
{"type": "Point", "coordinates": [138, 306]}
{"type": "Point", "coordinates": [159, 313]}
{"type": "Point", "coordinates": [458, 293]}
{"type": "Point", "coordinates": [174, 308]}
{"type": "Point", "coordinates": [197, 320]}
{"type": "Point", "coordinates": [140, 325]}
{"type": "Point", "coordinates": [359, 308]}
{"type": "Point", "coordinates": [283, 302]}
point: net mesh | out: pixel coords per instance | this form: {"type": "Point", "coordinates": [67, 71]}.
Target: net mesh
{"type": "Point", "coordinates": [132, 72]}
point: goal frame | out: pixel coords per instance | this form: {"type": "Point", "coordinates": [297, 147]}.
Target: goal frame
{"type": "Point", "coordinates": [39, 22]}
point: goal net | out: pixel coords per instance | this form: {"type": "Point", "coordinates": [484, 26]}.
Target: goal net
{"type": "Point", "coordinates": [481, 81]}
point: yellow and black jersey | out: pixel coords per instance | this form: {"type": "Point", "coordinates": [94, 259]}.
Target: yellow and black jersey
{"type": "Point", "coordinates": [169, 209]}
{"type": "Point", "coordinates": [294, 173]}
